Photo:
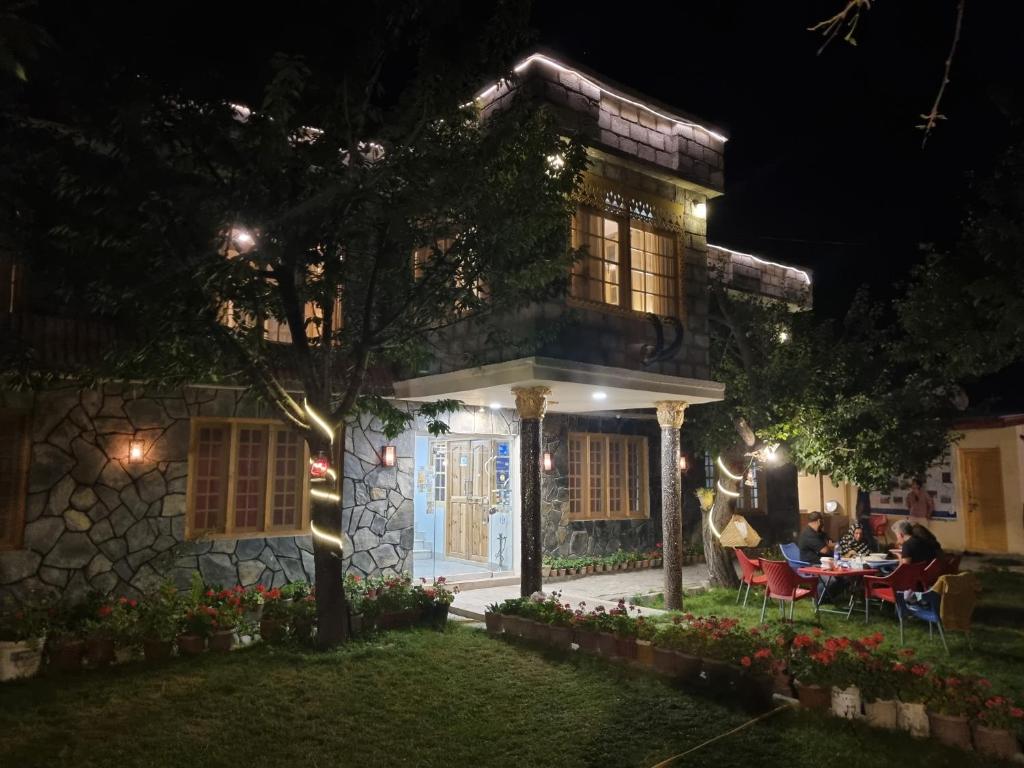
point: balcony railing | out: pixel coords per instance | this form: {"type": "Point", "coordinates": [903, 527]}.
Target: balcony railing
{"type": "Point", "coordinates": [53, 341]}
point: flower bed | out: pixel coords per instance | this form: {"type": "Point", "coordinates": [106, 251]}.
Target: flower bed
{"type": "Point", "coordinates": [555, 566]}
{"type": "Point", "coordinates": [847, 677]}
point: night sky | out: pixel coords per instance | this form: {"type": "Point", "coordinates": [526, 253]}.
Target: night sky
{"type": "Point", "coordinates": [824, 167]}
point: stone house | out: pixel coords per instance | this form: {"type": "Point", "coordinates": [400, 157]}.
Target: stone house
{"type": "Point", "coordinates": [570, 446]}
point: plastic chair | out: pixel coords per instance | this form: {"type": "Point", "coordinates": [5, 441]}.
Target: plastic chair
{"type": "Point", "coordinates": [932, 571]}
{"type": "Point", "coordinates": [784, 585]}
{"type": "Point", "coordinates": [792, 554]}
{"type": "Point", "coordinates": [959, 593]}
{"type": "Point", "coordinates": [879, 527]}
{"type": "Point", "coordinates": [749, 574]}
{"type": "Point", "coordinates": [906, 577]}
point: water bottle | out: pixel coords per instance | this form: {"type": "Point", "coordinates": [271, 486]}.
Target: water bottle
{"type": "Point", "coordinates": [836, 554]}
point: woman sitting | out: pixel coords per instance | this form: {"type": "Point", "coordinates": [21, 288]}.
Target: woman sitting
{"type": "Point", "coordinates": [852, 543]}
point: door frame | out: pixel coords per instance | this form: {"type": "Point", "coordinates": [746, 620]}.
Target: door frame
{"type": "Point", "coordinates": [970, 539]}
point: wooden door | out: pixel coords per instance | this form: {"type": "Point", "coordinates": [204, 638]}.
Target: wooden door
{"type": "Point", "coordinates": [985, 522]}
{"type": "Point", "coordinates": [470, 486]}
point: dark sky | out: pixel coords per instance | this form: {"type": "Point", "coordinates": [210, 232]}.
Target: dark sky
{"type": "Point", "coordinates": [824, 167]}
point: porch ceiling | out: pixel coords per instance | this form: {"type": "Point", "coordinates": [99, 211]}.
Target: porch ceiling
{"type": "Point", "coordinates": [573, 386]}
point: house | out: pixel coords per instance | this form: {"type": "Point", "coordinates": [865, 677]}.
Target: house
{"type": "Point", "coordinates": [568, 446]}
{"type": "Point", "coordinates": [977, 487]}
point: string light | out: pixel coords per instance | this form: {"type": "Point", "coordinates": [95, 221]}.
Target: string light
{"type": "Point", "coordinates": [541, 58]}
{"type": "Point", "coordinates": [726, 491]}
{"type": "Point", "coordinates": [726, 472]}
{"type": "Point", "coordinates": [804, 275]}
{"type": "Point", "coordinates": [328, 537]}
{"type": "Point", "coordinates": [316, 493]}
{"type": "Point", "coordinates": [317, 419]}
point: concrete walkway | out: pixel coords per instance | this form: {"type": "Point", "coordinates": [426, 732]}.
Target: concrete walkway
{"type": "Point", "coordinates": [599, 589]}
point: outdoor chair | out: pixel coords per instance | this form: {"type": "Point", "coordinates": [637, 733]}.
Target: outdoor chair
{"type": "Point", "coordinates": [926, 610]}
{"type": "Point", "coordinates": [932, 571]}
{"type": "Point", "coordinates": [792, 554]}
{"type": "Point", "coordinates": [783, 584]}
{"type": "Point", "coordinates": [949, 604]}
{"type": "Point", "coordinates": [750, 574]}
{"type": "Point", "coordinates": [884, 588]}
{"type": "Point", "coordinates": [879, 527]}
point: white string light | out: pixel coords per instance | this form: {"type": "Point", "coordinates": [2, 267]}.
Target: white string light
{"type": "Point", "coordinates": [316, 493]}
{"type": "Point", "coordinates": [317, 419]}
{"type": "Point", "coordinates": [726, 491]}
{"type": "Point", "coordinates": [539, 57]}
{"type": "Point", "coordinates": [328, 537]}
{"type": "Point", "coordinates": [726, 472]}
{"type": "Point", "coordinates": [804, 275]}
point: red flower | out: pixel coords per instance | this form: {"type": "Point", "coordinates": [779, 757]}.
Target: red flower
{"type": "Point", "coordinates": [133, 603]}
{"type": "Point", "coordinates": [209, 593]}
{"type": "Point", "coordinates": [1016, 712]}
{"type": "Point", "coordinates": [920, 670]}
{"type": "Point", "coordinates": [104, 611]}
{"type": "Point", "coordinates": [762, 653]}
{"type": "Point", "coordinates": [122, 600]}
{"type": "Point", "coordinates": [816, 632]}
{"type": "Point", "coordinates": [802, 641]}
{"type": "Point", "coordinates": [745, 661]}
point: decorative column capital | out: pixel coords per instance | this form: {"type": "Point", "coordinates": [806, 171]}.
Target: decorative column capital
{"type": "Point", "coordinates": [670, 413]}
{"type": "Point", "coordinates": [531, 402]}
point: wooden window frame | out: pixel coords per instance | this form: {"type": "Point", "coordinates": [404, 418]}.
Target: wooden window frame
{"type": "Point", "coordinates": [231, 531]}
{"type": "Point", "coordinates": [584, 479]}
{"type": "Point", "coordinates": [626, 224]}
{"type": "Point", "coordinates": [17, 537]}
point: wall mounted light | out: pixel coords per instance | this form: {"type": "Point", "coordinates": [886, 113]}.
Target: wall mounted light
{"type": "Point", "coordinates": [319, 467]}
{"type": "Point", "coordinates": [700, 210]}
{"type": "Point", "coordinates": [547, 462]}
{"type": "Point", "coordinates": [136, 451]}
{"type": "Point", "coordinates": [388, 456]}
{"type": "Point", "coordinates": [683, 465]}
{"type": "Point", "coordinates": [600, 395]}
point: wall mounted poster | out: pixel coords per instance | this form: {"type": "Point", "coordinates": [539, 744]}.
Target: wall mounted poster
{"type": "Point", "coordinates": [938, 482]}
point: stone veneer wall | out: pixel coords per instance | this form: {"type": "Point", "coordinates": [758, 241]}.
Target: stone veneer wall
{"type": "Point", "coordinates": [744, 272]}
{"type": "Point", "coordinates": [96, 522]}
{"type": "Point", "coordinates": [562, 536]}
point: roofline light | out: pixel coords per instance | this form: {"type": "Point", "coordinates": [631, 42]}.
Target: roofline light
{"type": "Point", "coordinates": [804, 275]}
{"type": "Point", "coordinates": [529, 60]}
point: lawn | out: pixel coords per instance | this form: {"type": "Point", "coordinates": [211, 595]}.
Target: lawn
{"type": "Point", "coordinates": [417, 698]}
{"type": "Point", "coordinates": [997, 637]}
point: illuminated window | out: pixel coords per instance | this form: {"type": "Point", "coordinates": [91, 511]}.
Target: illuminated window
{"type": "Point", "coordinates": [246, 477]}
{"type": "Point", "coordinates": [13, 473]}
{"type": "Point", "coordinates": [607, 476]}
{"type": "Point", "coordinates": [709, 471]}
{"type": "Point", "coordinates": [628, 264]}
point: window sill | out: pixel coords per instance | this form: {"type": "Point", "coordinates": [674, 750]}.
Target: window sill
{"type": "Point", "coordinates": [611, 309]}
{"type": "Point", "coordinates": [219, 535]}
{"type": "Point", "coordinates": [618, 519]}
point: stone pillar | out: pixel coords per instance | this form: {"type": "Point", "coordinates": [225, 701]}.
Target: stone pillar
{"type": "Point", "coordinates": [670, 418]}
{"type": "Point", "coordinates": [531, 403]}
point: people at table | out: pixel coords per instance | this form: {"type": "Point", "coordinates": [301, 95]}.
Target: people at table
{"type": "Point", "coordinates": [853, 543]}
{"type": "Point", "coordinates": [814, 542]}
{"type": "Point", "coordinates": [917, 543]}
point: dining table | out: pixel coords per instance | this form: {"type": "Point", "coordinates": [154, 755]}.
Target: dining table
{"type": "Point", "coordinates": [827, 576]}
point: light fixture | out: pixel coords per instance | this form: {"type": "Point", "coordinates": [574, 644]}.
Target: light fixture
{"type": "Point", "coordinates": [682, 463]}
{"type": "Point", "coordinates": [242, 239]}
{"type": "Point", "coordinates": [319, 467]}
{"type": "Point", "coordinates": [771, 453]}
{"type": "Point", "coordinates": [481, 409]}
{"type": "Point", "coordinates": [726, 491]}
{"type": "Point", "coordinates": [726, 472]}
{"type": "Point", "coordinates": [136, 450]}
{"type": "Point", "coordinates": [700, 210]}
{"type": "Point", "coordinates": [547, 462]}
{"type": "Point", "coordinates": [783, 336]}
{"type": "Point", "coordinates": [831, 506]}
{"type": "Point", "coordinates": [600, 395]}
{"type": "Point", "coordinates": [495, 406]}
{"type": "Point", "coordinates": [556, 162]}
{"type": "Point", "coordinates": [388, 456]}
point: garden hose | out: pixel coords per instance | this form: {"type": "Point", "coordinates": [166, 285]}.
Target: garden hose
{"type": "Point", "coordinates": [737, 729]}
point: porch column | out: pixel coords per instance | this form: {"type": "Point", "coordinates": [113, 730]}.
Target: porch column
{"type": "Point", "coordinates": [670, 418]}
{"type": "Point", "coordinates": [531, 403]}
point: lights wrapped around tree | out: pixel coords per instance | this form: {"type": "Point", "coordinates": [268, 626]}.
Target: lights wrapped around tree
{"type": "Point", "coordinates": [319, 467]}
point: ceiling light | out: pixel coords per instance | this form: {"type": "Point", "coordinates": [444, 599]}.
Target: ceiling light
{"type": "Point", "coordinates": [600, 395]}
{"type": "Point", "coordinates": [495, 406]}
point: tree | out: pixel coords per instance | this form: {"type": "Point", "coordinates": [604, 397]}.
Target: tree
{"type": "Point", "coordinates": [195, 223]}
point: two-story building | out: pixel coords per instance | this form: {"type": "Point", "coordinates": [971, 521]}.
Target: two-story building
{"type": "Point", "coordinates": [567, 444]}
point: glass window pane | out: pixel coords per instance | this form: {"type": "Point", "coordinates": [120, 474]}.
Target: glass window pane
{"type": "Point", "coordinates": [209, 497]}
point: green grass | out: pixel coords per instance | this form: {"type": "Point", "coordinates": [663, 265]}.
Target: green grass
{"type": "Point", "coordinates": [997, 637]}
{"type": "Point", "coordinates": [416, 698]}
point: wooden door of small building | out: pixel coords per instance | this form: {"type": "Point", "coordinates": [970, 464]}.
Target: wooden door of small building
{"type": "Point", "coordinates": [981, 471]}
{"type": "Point", "coordinates": [470, 488]}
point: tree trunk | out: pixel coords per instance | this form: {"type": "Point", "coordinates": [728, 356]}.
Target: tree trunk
{"type": "Point", "coordinates": [331, 606]}
{"type": "Point", "coordinates": [721, 572]}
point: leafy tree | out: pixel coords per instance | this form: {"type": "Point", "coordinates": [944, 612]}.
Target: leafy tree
{"type": "Point", "coordinates": [193, 223]}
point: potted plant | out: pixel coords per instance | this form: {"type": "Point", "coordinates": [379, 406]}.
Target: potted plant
{"type": "Point", "coordinates": [98, 631]}
{"type": "Point", "coordinates": [645, 632]}
{"type": "Point", "coordinates": [847, 668]}
{"type": "Point", "coordinates": [303, 618]}
{"type": "Point", "coordinates": [624, 627]}
{"type": "Point", "coordinates": [996, 727]}
{"type": "Point", "coordinates": [510, 619]}
{"type": "Point", "coordinates": [395, 604]}
{"type": "Point", "coordinates": [674, 646]}
{"type": "Point", "coordinates": [493, 619]}
{"type": "Point", "coordinates": [912, 690]}
{"type": "Point", "coordinates": [757, 682]}
{"type": "Point", "coordinates": [557, 619]}
{"type": "Point", "coordinates": [586, 627]}
{"type": "Point", "coordinates": [878, 684]}
{"type": "Point", "coordinates": [274, 619]}
{"type": "Point", "coordinates": [953, 702]}
{"type": "Point", "coordinates": [810, 664]}
{"type": "Point", "coordinates": [251, 602]}
{"type": "Point", "coordinates": [226, 620]}
{"type": "Point", "coordinates": [158, 623]}
{"type": "Point", "coordinates": [435, 599]}
{"type": "Point", "coordinates": [197, 625]}
{"type": "Point", "coordinates": [22, 637]}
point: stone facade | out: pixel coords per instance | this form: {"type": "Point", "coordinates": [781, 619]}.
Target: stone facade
{"type": "Point", "coordinates": [95, 521]}
{"type": "Point", "coordinates": [750, 274]}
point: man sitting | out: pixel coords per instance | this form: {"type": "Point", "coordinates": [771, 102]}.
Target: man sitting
{"type": "Point", "coordinates": [917, 543]}
{"type": "Point", "coordinates": [813, 542]}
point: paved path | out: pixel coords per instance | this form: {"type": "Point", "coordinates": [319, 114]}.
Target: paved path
{"type": "Point", "coordinates": [599, 589]}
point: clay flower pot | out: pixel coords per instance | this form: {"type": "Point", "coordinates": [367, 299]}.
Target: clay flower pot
{"type": "Point", "coordinates": [513, 625]}
{"type": "Point", "coordinates": [191, 645]}
{"type": "Point", "coordinates": [782, 684]}
{"type": "Point", "coordinates": [846, 702]}
{"type": "Point", "coordinates": [814, 696]}
{"type": "Point", "coordinates": [606, 644]}
{"type": "Point", "coordinates": [587, 640]}
{"type": "Point", "coordinates": [645, 652]}
{"type": "Point", "coordinates": [756, 691]}
{"type": "Point", "coordinates": [559, 637]}
{"type": "Point", "coordinates": [720, 675]}
{"type": "Point", "coordinates": [66, 655]}
{"type": "Point", "coordinates": [995, 741]}
{"type": "Point", "coordinates": [20, 658]}
{"type": "Point", "coordinates": [881, 713]}
{"type": "Point", "coordinates": [156, 650]}
{"type": "Point", "coordinates": [272, 630]}
{"type": "Point", "coordinates": [912, 717]}
{"type": "Point", "coordinates": [99, 650]}
{"type": "Point", "coordinates": [951, 730]}
{"type": "Point", "coordinates": [222, 641]}
{"type": "Point", "coordinates": [493, 622]}
{"type": "Point", "coordinates": [675, 664]}
{"type": "Point", "coordinates": [625, 647]}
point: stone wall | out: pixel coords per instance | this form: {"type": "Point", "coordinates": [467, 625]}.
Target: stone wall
{"type": "Point", "coordinates": [562, 536]}
{"type": "Point", "coordinates": [95, 521]}
{"type": "Point", "coordinates": [749, 274]}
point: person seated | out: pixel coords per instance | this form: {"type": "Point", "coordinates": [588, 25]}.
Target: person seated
{"type": "Point", "coordinates": [867, 535]}
{"type": "Point", "coordinates": [852, 543]}
{"type": "Point", "coordinates": [813, 542]}
{"type": "Point", "coordinates": [917, 543]}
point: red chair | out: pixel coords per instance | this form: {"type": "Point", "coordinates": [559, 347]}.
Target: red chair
{"type": "Point", "coordinates": [784, 585]}
{"type": "Point", "coordinates": [932, 571]}
{"type": "Point", "coordinates": [879, 527]}
{"type": "Point", "coordinates": [884, 588]}
{"type": "Point", "coordinates": [750, 575]}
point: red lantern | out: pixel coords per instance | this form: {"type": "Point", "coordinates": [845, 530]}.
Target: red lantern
{"type": "Point", "coordinates": [319, 467]}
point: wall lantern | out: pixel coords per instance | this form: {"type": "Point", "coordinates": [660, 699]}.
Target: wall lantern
{"type": "Point", "coordinates": [388, 456]}
{"type": "Point", "coordinates": [700, 210]}
{"type": "Point", "coordinates": [547, 462]}
{"type": "Point", "coordinates": [683, 466]}
{"type": "Point", "coordinates": [136, 451]}
{"type": "Point", "coordinates": [319, 467]}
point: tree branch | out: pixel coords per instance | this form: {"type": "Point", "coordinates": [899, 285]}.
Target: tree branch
{"type": "Point", "coordinates": [932, 118]}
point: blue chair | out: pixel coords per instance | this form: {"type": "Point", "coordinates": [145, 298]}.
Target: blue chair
{"type": "Point", "coordinates": [792, 554]}
{"type": "Point", "coordinates": [925, 610]}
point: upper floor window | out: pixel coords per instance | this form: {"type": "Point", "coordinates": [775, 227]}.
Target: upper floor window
{"type": "Point", "coordinates": [13, 474]}
{"type": "Point", "coordinates": [246, 477]}
{"type": "Point", "coordinates": [607, 476]}
{"type": "Point", "coordinates": [629, 264]}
